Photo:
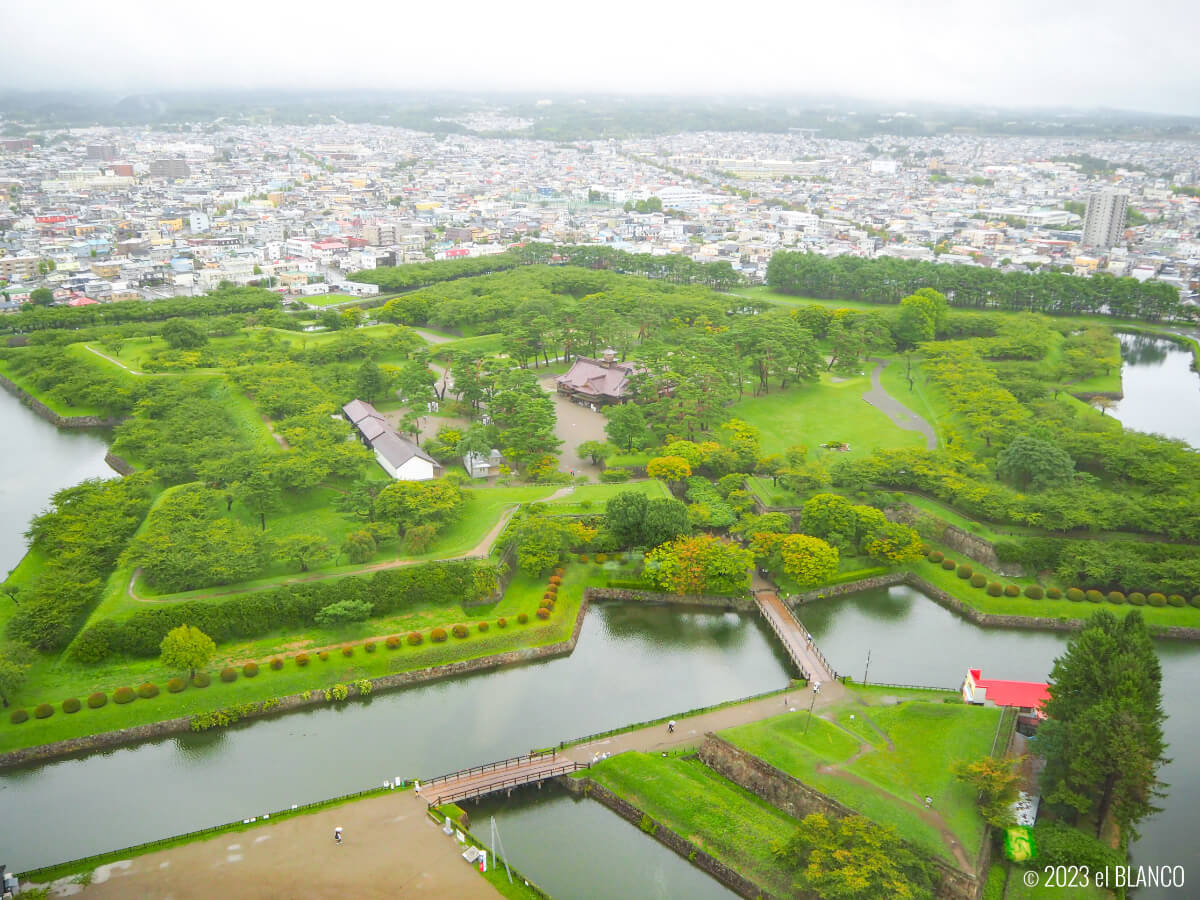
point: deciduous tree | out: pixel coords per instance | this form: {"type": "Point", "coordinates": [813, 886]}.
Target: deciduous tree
{"type": "Point", "coordinates": [187, 647]}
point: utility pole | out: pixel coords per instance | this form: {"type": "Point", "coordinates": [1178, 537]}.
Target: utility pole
{"type": "Point", "coordinates": [816, 690]}
{"type": "Point", "coordinates": [868, 667]}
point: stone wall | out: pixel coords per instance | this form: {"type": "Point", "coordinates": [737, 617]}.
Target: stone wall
{"type": "Point", "coordinates": [732, 879]}
{"type": "Point", "coordinates": [117, 464]}
{"type": "Point", "coordinates": [969, 545]}
{"type": "Point", "coordinates": [155, 730]}
{"type": "Point", "coordinates": [799, 800]}
{"type": "Point", "coordinates": [51, 416]}
{"type": "Point", "coordinates": [624, 595]}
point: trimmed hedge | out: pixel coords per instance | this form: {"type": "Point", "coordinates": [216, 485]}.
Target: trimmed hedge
{"type": "Point", "coordinates": [71, 705]}
{"type": "Point", "coordinates": [290, 606]}
{"type": "Point", "coordinates": [978, 580]}
{"type": "Point", "coordinates": [1195, 601]}
{"type": "Point", "coordinates": [124, 695]}
{"type": "Point", "coordinates": [414, 638]}
{"type": "Point", "coordinates": [994, 588]}
{"type": "Point", "coordinates": [557, 579]}
{"type": "Point", "coordinates": [43, 711]}
{"type": "Point", "coordinates": [347, 651]}
{"type": "Point", "coordinates": [1115, 597]}
{"type": "Point", "coordinates": [1095, 597]}
{"type": "Point", "coordinates": [1012, 590]}
{"type": "Point", "coordinates": [323, 655]}
{"type": "Point", "coordinates": [949, 565]}
{"type": "Point", "coordinates": [964, 571]}
{"type": "Point", "coordinates": [97, 700]}
{"type": "Point", "coordinates": [459, 631]}
{"type": "Point", "coordinates": [17, 716]}
{"type": "Point", "coordinates": [482, 626]}
{"type": "Point", "coordinates": [1176, 600]}
{"type": "Point", "coordinates": [502, 622]}
{"type": "Point", "coordinates": [228, 674]}
{"type": "Point", "coordinates": [276, 663]}
{"type": "Point", "coordinates": [522, 618]}
{"type": "Point", "coordinates": [1156, 599]}
{"type": "Point", "coordinates": [147, 690]}
{"type": "Point", "coordinates": [201, 679]}
{"type": "Point", "coordinates": [175, 685]}
{"type": "Point", "coordinates": [369, 646]}
{"type": "Point", "coordinates": [1034, 592]}
{"type": "Point", "coordinates": [392, 642]}
{"type": "Point", "coordinates": [438, 635]}
{"type": "Point", "coordinates": [1075, 595]}
{"type": "Point", "coordinates": [543, 612]}
{"type": "Point", "coordinates": [250, 669]}
{"type": "Point", "coordinates": [1054, 593]}
{"type": "Point", "coordinates": [302, 659]}
{"type": "Point", "coordinates": [935, 556]}
{"type": "Point", "coordinates": [1137, 598]}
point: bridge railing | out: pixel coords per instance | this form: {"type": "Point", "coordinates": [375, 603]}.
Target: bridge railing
{"type": "Point", "coordinates": [491, 767]}
{"type": "Point", "coordinates": [783, 640]}
{"type": "Point", "coordinates": [492, 786]}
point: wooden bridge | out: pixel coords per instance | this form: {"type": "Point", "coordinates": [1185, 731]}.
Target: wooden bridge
{"type": "Point", "coordinates": [506, 774]}
{"type": "Point", "coordinates": [795, 638]}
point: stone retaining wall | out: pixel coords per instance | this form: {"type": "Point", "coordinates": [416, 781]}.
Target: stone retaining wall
{"type": "Point", "coordinates": [729, 877]}
{"type": "Point", "coordinates": [798, 800]}
{"type": "Point", "coordinates": [969, 545]}
{"type": "Point", "coordinates": [50, 415]}
{"type": "Point", "coordinates": [625, 595]}
{"type": "Point", "coordinates": [117, 464]}
{"type": "Point", "coordinates": [155, 730]}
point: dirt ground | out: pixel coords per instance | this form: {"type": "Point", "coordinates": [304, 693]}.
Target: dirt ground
{"type": "Point", "coordinates": [574, 424]}
{"type": "Point", "coordinates": [390, 849]}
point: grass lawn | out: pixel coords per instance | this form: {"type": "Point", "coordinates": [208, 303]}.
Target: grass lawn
{"type": "Point", "coordinates": [53, 679]}
{"type": "Point", "coordinates": [927, 737]}
{"type": "Point", "coordinates": [713, 813]}
{"type": "Point", "coordinates": [590, 498]}
{"type": "Point", "coordinates": [481, 345]}
{"type": "Point", "coordinates": [814, 414]}
{"type": "Point", "coordinates": [636, 459]}
{"type": "Point", "coordinates": [770, 494]}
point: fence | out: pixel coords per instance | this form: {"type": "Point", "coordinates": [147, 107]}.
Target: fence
{"type": "Point", "coordinates": [491, 767]}
{"type": "Point", "coordinates": [908, 687]}
{"type": "Point", "coordinates": [786, 646]}
{"type": "Point", "coordinates": [85, 862]}
{"type": "Point", "coordinates": [492, 787]}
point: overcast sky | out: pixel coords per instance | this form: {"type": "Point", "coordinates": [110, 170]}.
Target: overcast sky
{"type": "Point", "coordinates": [1030, 52]}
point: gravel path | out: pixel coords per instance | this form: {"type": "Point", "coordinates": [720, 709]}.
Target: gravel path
{"type": "Point", "coordinates": [901, 415]}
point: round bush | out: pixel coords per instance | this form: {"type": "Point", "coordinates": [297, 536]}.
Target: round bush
{"type": "Point", "coordinates": [250, 669]}
{"type": "Point", "coordinates": [552, 590]}
{"type": "Point", "coordinates": [201, 679]}
{"type": "Point", "coordinates": [71, 705]}
{"type": "Point", "coordinates": [1115, 597]}
{"type": "Point", "coordinates": [560, 571]}
{"type": "Point", "coordinates": [43, 710]}
{"type": "Point", "coordinates": [1176, 600]}
{"type": "Point", "coordinates": [147, 690]}
{"type": "Point", "coordinates": [556, 580]}
{"type": "Point", "coordinates": [1156, 599]}
{"type": "Point", "coordinates": [17, 716]}
{"type": "Point", "coordinates": [123, 695]}
{"type": "Point", "coordinates": [97, 700]}
{"type": "Point", "coordinates": [949, 565]}
{"type": "Point", "coordinates": [1195, 601]}
{"type": "Point", "coordinates": [1054, 593]}
{"type": "Point", "coordinates": [502, 622]}
{"type": "Point", "coordinates": [601, 557]}
{"type": "Point", "coordinates": [438, 635]}
{"type": "Point", "coordinates": [1137, 598]}
{"type": "Point", "coordinates": [978, 580]}
{"type": "Point", "coordinates": [277, 664]}
{"type": "Point", "coordinates": [1034, 592]}
{"type": "Point", "coordinates": [964, 571]}
{"type": "Point", "coordinates": [369, 646]}
{"type": "Point", "coordinates": [228, 674]}
{"type": "Point", "coordinates": [1093, 596]}
{"type": "Point", "coordinates": [547, 596]}
{"type": "Point", "coordinates": [347, 651]}
{"type": "Point", "coordinates": [323, 655]}
{"type": "Point", "coordinates": [936, 556]}
{"type": "Point", "coordinates": [482, 626]}
{"type": "Point", "coordinates": [545, 602]}
{"type": "Point", "coordinates": [392, 642]}
{"type": "Point", "coordinates": [302, 659]}
{"type": "Point", "coordinates": [1012, 590]}
{"type": "Point", "coordinates": [414, 638]}
{"type": "Point", "coordinates": [175, 685]}
{"type": "Point", "coordinates": [583, 557]}
{"type": "Point", "coordinates": [543, 612]}
{"type": "Point", "coordinates": [1075, 595]}
{"type": "Point", "coordinates": [459, 631]}
{"type": "Point", "coordinates": [522, 618]}
{"type": "Point", "coordinates": [994, 588]}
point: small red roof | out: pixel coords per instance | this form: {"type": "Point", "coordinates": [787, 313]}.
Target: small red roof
{"type": "Point", "coordinates": [81, 301]}
{"type": "Point", "coordinates": [1012, 693]}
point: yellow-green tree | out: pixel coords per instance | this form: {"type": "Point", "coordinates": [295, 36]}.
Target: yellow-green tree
{"type": "Point", "coordinates": [700, 564]}
{"type": "Point", "coordinates": [187, 647]}
{"type": "Point", "coordinates": [668, 468]}
{"type": "Point", "coordinates": [893, 543]}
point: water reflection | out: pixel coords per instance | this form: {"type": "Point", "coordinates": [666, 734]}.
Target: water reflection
{"type": "Point", "coordinates": [1162, 392]}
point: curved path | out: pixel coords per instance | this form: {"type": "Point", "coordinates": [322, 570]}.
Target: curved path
{"type": "Point", "coordinates": [901, 415]}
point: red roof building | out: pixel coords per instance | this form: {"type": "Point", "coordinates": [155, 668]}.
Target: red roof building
{"type": "Point", "coordinates": [1027, 696]}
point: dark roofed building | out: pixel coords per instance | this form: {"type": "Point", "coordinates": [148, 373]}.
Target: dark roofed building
{"type": "Point", "coordinates": [597, 382]}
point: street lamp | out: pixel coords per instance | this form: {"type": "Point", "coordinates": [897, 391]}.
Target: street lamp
{"type": "Point", "coordinates": [816, 689]}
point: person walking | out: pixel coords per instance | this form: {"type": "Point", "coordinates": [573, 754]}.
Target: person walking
{"type": "Point", "coordinates": [337, 835]}
{"type": "Point", "coordinates": [671, 727]}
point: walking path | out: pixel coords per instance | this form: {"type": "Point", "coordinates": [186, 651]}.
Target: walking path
{"type": "Point", "coordinates": [901, 415]}
{"type": "Point", "coordinates": [391, 849]}
{"type": "Point", "coordinates": [794, 636]}
{"type": "Point", "coordinates": [480, 780]}
{"type": "Point", "coordinates": [117, 362]}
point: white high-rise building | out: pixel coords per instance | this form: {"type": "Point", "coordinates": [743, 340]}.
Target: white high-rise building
{"type": "Point", "coordinates": [1104, 221]}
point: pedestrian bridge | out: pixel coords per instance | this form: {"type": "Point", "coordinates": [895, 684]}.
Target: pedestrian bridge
{"type": "Point", "coordinates": [532, 768]}
{"type": "Point", "coordinates": [795, 638]}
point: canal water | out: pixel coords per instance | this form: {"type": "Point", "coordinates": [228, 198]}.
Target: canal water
{"type": "Point", "coordinates": [1162, 392]}
{"type": "Point", "coordinates": [38, 459]}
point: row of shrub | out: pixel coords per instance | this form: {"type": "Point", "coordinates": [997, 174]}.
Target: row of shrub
{"type": "Point", "coordinates": [288, 606]}
{"type": "Point", "coordinates": [1074, 594]}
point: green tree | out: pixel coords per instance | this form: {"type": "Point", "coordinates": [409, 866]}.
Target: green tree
{"type": "Point", "coordinates": [700, 564]}
{"type": "Point", "coordinates": [409, 503]}
{"type": "Point", "coordinates": [672, 469]}
{"type": "Point", "coordinates": [1103, 738]}
{"type": "Point", "coordinates": [892, 542]}
{"type": "Point", "coordinates": [855, 859]}
{"type": "Point", "coordinates": [359, 546]}
{"type": "Point", "coordinates": [665, 520]}
{"type": "Point", "coordinates": [997, 782]}
{"type": "Point", "coordinates": [344, 612]}
{"type": "Point", "coordinates": [831, 517]}
{"type": "Point", "coordinates": [624, 514]}
{"type": "Point", "coordinates": [41, 296]}
{"type": "Point", "coordinates": [359, 499]}
{"type": "Point", "coordinates": [302, 548]}
{"type": "Point", "coordinates": [186, 647]}
{"type": "Point", "coordinates": [626, 426]}
{"type": "Point", "coordinates": [596, 451]}
{"type": "Point", "coordinates": [183, 334]}
{"type": "Point", "coordinates": [15, 660]}
{"type": "Point", "coordinates": [1031, 462]}
{"type": "Point", "coordinates": [369, 382]}
{"type": "Point", "coordinates": [807, 559]}
{"type": "Point", "coordinates": [541, 542]}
